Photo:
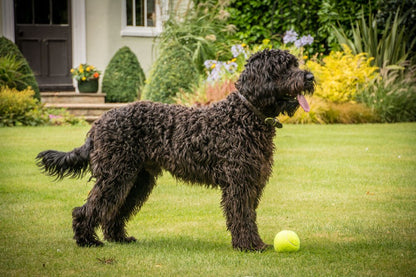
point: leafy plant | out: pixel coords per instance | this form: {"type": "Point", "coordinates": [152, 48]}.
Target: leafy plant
{"type": "Point", "coordinates": [123, 78]}
{"type": "Point", "coordinates": [388, 49]}
{"type": "Point", "coordinates": [173, 72]}
{"type": "Point", "coordinates": [7, 47]}
{"type": "Point", "coordinates": [392, 96]}
{"type": "Point", "coordinates": [257, 20]}
{"type": "Point", "coordinates": [10, 74]}
{"type": "Point", "coordinates": [20, 108]}
{"type": "Point", "coordinates": [85, 72]}
{"type": "Point", "coordinates": [185, 43]}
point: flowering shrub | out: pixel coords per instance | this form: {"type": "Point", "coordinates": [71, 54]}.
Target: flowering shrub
{"type": "Point", "coordinates": [85, 72]}
{"type": "Point", "coordinates": [341, 75]}
{"type": "Point", "coordinates": [217, 70]}
{"type": "Point", "coordinates": [292, 37]}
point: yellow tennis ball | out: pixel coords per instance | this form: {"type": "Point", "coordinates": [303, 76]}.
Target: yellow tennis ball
{"type": "Point", "coordinates": [286, 241]}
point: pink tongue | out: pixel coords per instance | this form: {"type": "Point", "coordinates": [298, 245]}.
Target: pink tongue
{"type": "Point", "coordinates": [303, 103]}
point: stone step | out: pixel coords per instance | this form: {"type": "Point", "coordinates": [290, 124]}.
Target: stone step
{"type": "Point", "coordinates": [72, 97]}
{"type": "Point", "coordinates": [90, 112]}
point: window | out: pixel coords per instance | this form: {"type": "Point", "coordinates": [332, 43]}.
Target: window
{"type": "Point", "coordinates": [141, 18]}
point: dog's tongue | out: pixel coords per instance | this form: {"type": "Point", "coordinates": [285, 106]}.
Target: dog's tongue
{"type": "Point", "coordinates": [303, 103]}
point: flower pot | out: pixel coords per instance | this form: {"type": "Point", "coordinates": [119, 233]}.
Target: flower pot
{"type": "Point", "coordinates": [88, 86]}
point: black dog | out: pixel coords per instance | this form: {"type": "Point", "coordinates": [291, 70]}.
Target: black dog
{"type": "Point", "coordinates": [227, 145]}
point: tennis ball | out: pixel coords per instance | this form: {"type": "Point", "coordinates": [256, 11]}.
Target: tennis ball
{"type": "Point", "coordinates": [286, 241]}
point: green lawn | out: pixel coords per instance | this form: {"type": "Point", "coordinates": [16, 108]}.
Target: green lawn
{"type": "Point", "coordinates": [349, 191]}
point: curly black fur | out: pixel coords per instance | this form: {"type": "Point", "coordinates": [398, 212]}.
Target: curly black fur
{"type": "Point", "coordinates": [226, 145]}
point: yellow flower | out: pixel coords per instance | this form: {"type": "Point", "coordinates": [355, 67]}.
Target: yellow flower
{"type": "Point", "coordinates": [213, 66]}
{"type": "Point", "coordinates": [81, 70]}
{"type": "Point", "coordinates": [305, 57]}
{"type": "Point", "coordinates": [83, 78]}
{"type": "Point", "coordinates": [72, 70]}
{"type": "Point", "coordinates": [243, 45]}
{"type": "Point", "coordinates": [233, 60]}
{"type": "Point", "coordinates": [88, 69]}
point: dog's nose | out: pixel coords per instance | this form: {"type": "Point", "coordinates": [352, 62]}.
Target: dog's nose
{"type": "Point", "coordinates": [309, 77]}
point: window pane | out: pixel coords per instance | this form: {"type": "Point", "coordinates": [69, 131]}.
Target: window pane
{"type": "Point", "coordinates": [60, 12]}
{"type": "Point", "coordinates": [129, 12]}
{"type": "Point", "coordinates": [24, 12]}
{"type": "Point", "coordinates": [151, 13]}
{"type": "Point", "coordinates": [42, 14]}
{"type": "Point", "coordinates": [139, 13]}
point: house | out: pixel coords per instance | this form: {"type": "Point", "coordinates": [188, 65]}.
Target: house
{"type": "Point", "coordinates": [57, 35]}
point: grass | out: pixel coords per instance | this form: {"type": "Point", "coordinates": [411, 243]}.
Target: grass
{"type": "Point", "coordinates": [349, 191]}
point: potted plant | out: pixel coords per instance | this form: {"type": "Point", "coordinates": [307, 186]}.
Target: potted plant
{"type": "Point", "coordinates": [87, 77]}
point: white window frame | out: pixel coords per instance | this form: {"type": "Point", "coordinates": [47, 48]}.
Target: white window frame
{"type": "Point", "coordinates": [140, 31]}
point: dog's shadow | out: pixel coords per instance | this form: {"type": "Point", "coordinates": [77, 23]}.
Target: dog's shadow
{"type": "Point", "coordinates": [180, 243]}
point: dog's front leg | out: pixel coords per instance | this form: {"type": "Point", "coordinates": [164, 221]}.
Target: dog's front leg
{"type": "Point", "coordinates": [239, 204]}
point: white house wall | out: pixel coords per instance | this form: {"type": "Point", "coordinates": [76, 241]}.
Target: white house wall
{"type": "Point", "coordinates": [103, 26]}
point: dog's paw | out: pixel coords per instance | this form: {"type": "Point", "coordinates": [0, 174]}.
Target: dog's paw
{"type": "Point", "coordinates": [89, 243]}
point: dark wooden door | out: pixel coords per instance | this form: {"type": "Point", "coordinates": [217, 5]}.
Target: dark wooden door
{"type": "Point", "coordinates": [43, 34]}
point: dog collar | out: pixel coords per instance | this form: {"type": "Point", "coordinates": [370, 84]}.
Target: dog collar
{"type": "Point", "coordinates": [272, 121]}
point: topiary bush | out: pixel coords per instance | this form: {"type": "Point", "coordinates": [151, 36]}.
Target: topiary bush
{"type": "Point", "coordinates": [123, 77]}
{"type": "Point", "coordinates": [8, 48]}
{"type": "Point", "coordinates": [172, 72]}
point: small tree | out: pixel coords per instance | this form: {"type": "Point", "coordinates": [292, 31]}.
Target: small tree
{"type": "Point", "coordinates": [123, 77]}
{"type": "Point", "coordinates": [10, 50]}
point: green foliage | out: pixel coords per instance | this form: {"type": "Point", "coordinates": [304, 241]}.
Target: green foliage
{"type": "Point", "coordinates": [123, 77]}
{"type": "Point", "coordinates": [187, 41]}
{"type": "Point", "coordinates": [388, 49]}
{"type": "Point", "coordinates": [173, 71]}
{"type": "Point", "coordinates": [392, 96]}
{"type": "Point", "coordinates": [8, 48]}
{"type": "Point", "coordinates": [20, 108]}
{"type": "Point", "coordinates": [389, 8]}
{"type": "Point", "coordinates": [10, 74]}
{"type": "Point", "coordinates": [258, 20]}
{"type": "Point", "coordinates": [62, 117]}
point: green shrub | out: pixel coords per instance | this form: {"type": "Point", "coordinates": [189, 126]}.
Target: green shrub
{"type": "Point", "coordinates": [123, 77]}
{"type": "Point", "coordinates": [391, 48]}
{"type": "Point", "coordinates": [7, 47]}
{"type": "Point", "coordinates": [20, 108]}
{"type": "Point", "coordinates": [257, 20]}
{"type": "Point", "coordinates": [186, 42]}
{"type": "Point", "coordinates": [392, 96]}
{"type": "Point", "coordinates": [172, 72]}
{"type": "Point", "coordinates": [10, 75]}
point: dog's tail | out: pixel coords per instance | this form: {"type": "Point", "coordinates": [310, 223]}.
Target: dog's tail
{"type": "Point", "coordinates": [73, 164]}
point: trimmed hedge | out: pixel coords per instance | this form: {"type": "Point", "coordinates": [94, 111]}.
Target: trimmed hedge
{"type": "Point", "coordinates": [173, 72]}
{"type": "Point", "coordinates": [7, 47]}
{"type": "Point", "coordinates": [123, 77]}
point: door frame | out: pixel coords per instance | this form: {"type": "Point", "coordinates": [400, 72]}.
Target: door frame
{"type": "Point", "coordinates": [78, 21]}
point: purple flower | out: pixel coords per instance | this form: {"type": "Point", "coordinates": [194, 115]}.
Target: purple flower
{"type": "Point", "coordinates": [290, 36]}
{"type": "Point", "coordinates": [237, 50]}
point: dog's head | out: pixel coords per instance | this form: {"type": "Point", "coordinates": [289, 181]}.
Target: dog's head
{"type": "Point", "coordinates": [274, 84]}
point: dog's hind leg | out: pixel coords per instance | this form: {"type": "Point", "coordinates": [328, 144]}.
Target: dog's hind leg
{"type": "Point", "coordinates": [114, 228]}
{"type": "Point", "coordinates": [104, 201]}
